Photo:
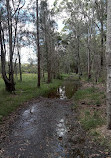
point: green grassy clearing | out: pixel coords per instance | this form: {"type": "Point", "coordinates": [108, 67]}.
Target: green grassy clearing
{"type": "Point", "coordinates": [25, 91]}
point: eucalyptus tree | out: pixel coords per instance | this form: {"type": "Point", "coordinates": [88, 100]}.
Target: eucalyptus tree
{"type": "Point", "coordinates": [8, 33]}
{"type": "Point", "coordinates": [48, 39]}
{"type": "Point", "coordinates": [75, 25]}
{"type": "Point", "coordinates": [44, 17]}
{"type": "Point", "coordinates": [100, 9]}
{"type": "Point", "coordinates": [86, 21]}
{"type": "Point", "coordinates": [38, 44]}
{"type": "Point", "coordinates": [108, 60]}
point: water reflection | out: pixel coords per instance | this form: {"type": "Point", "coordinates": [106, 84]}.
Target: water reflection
{"type": "Point", "coordinates": [29, 111]}
{"type": "Point", "coordinates": [61, 128]}
{"type": "Point", "coordinates": [65, 91]}
{"type": "Point", "coordinates": [62, 92]}
{"type": "Point", "coordinates": [70, 88]}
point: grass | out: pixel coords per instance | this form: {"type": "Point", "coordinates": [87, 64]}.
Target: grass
{"type": "Point", "coordinates": [90, 103]}
{"type": "Point", "coordinates": [100, 139]}
{"type": "Point", "coordinates": [91, 120]}
{"type": "Point", "coordinates": [25, 91]}
{"type": "Point", "coordinates": [91, 96]}
{"type": "Point", "coordinates": [101, 78]}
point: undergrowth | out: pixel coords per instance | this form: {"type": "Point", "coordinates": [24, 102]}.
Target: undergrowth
{"type": "Point", "coordinates": [90, 103]}
{"type": "Point", "coordinates": [91, 120]}
{"type": "Point", "coordinates": [89, 98]}
{"type": "Point", "coordinates": [90, 95]}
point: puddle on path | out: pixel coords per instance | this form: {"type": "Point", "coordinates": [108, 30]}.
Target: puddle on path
{"type": "Point", "coordinates": [67, 90]}
{"type": "Point", "coordinates": [42, 129]}
{"type": "Point", "coordinates": [61, 128]}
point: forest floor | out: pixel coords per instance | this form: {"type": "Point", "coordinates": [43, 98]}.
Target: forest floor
{"type": "Point", "coordinates": [90, 102]}
{"type": "Point", "coordinates": [48, 128]}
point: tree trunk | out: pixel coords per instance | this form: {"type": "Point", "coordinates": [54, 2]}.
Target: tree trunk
{"type": "Point", "coordinates": [47, 50]}
{"type": "Point", "coordinates": [15, 68]}
{"type": "Point", "coordinates": [102, 45]}
{"type": "Point", "coordinates": [78, 55]}
{"type": "Point", "coordinates": [10, 86]}
{"type": "Point", "coordinates": [108, 61]}
{"type": "Point", "coordinates": [20, 70]}
{"type": "Point", "coordinates": [11, 71]}
{"type": "Point", "coordinates": [50, 59]}
{"type": "Point", "coordinates": [89, 57]}
{"type": "Point", "coordinates": [89, 65]}
{"type": "Point", "coordinates": [38, 45]}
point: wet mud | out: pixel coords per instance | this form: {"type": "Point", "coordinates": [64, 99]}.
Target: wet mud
{"type": "Point", "coordinates": [48, 128]}
{"type": "Point", "coordinates": [66, 90]}
{"type": "Point", "coordinates": [40, 131]}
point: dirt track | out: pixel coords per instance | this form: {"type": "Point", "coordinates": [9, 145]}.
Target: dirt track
{"type": "Point", "coordinates": [48, 128]}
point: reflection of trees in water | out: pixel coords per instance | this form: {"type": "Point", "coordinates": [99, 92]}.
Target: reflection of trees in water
{"type": "Point", "coordinates": [65, 91]}
{"type": "Point", "coordinates": [62, 92]}
{"type": "Point", "coordinates": [68, 89]}
{"type": "Point", "coordinates": [71, 88]}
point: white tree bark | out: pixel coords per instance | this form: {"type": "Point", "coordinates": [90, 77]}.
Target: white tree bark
{"type": "Point", "coordinates": [108, 61]}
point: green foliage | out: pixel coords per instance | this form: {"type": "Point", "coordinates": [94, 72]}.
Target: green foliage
{"type": "Point", "coordinates": [90, 120]}
{"type": "Point", "coordinates": [102, 79]}
{"type": "Point", "coordinates": [95, 133]}
{"type": "Point", "coordinates": [25, 91]}
{"type": "Point", "coordinates": [65, 75]}
{"type": "Point", "coordinates": [29, 68]}
{"type": "Point", "coordinates": [104, 141]}
{"type": "Point", "coordinates": [92, 96]}
{"type": "Point", "coordinates": [83, 93]}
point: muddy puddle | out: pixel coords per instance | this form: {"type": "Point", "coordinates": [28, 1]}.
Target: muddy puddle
{"type": "Point", "coordinates": [48, 128]}
{"type": "Point", "coordinates": [66, 90]}
{"type": "Point", "coordinates": [41, 130]}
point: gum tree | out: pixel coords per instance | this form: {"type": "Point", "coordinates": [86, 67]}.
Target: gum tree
{"type": "Point", "coordinates": [38, 45]}
{"type": "Point", "coordinates": [108, 61]}
{"type": "Point", "coordinates": [9, 10]}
